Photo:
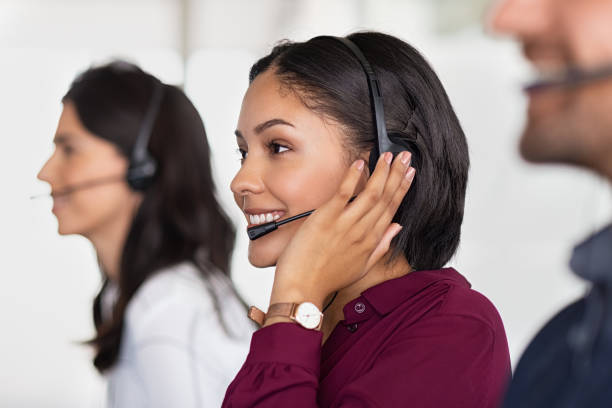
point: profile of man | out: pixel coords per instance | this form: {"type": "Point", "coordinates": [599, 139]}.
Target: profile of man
{"type": "Point", "coordinates": [569, 120]}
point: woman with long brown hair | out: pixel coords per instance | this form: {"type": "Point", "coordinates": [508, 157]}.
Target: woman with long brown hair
{"type": "Point", "coordinates": [131, 173]}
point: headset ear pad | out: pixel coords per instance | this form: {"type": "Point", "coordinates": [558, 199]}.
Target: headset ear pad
{"type": "Point", "coordinates": [401, 142]}
{"type": "Point", "coordinates": [140, 176]}
{"type": "Point", "coordinates": [407, 141]}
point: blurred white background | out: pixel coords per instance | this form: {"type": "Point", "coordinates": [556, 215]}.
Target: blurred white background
{"type": "Point", "coordinates": [520, 223]}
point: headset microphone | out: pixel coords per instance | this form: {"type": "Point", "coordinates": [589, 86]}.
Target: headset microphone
{"type": "Point", "coordinates": [81, 186]}
{"type": "Point", "coordinates": [571, 77]}
{"type": "Point", "coordinates": [263, 229]}
{"type": "Point", "coordinates": [384, 143]}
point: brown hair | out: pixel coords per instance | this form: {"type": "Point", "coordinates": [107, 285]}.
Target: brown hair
{"type": "Point", "coordinates": [179, 218]}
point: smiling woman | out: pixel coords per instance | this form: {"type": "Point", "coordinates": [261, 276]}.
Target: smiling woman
{"type": "Point", "coordinates": [293, 150]}
{"type": "Point", "coordinates": [398, 328]}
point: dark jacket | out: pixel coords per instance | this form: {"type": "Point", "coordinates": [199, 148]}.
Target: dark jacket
{"type": "Point", "coordinates": [569, 362]}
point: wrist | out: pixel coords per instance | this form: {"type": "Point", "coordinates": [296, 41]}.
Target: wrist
{"type": "Point", "coordinates": [306, 314]}
{"type": "Point", "coordinates": [296, 285]}
{"type": "Point", "coordinates": [296, 295]}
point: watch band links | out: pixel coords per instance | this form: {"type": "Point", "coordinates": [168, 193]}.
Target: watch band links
{"type": "Point", "coordinates": [276, 309]}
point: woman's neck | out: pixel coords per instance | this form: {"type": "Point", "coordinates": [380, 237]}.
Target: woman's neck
{"type": "Point", "coordinates": [109, 241]}
{"type": "Point", "coordinates": [379, 273]}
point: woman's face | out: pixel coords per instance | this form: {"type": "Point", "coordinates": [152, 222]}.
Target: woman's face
{"type": "Point", "coordinates": [293, 161]}
{"type": "Point", "coordinates": [79, 159]}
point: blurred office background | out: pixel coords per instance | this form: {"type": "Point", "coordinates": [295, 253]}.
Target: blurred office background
{"type": "Point", "coordinates": [520, 224]}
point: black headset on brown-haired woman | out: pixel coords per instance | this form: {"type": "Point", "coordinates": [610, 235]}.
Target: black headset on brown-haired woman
{"type": "Point", "coordinates": [142, 166]}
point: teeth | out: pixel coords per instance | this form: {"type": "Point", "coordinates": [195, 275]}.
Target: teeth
{"type": "Point", "coordinates": [262, 218]}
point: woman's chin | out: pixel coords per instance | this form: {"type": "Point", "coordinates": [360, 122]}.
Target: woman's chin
{"type": "Point", "coordinates": [66, 229]}
{"type": "Point", "coordinates": [261, 258]}
{"type": "Point", "coordinates": [260, 262]}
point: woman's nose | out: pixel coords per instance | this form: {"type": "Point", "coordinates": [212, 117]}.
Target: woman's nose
{"type": "Point", "coordinates": [248, 180]}
{"type": "Point", "coordinates": [46, 171]}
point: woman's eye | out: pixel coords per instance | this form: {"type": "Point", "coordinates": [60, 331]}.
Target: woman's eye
{"type": "Point", "coordinates": [278, 148]}
{"type": "Point", "coordinates": [242, 153]}
{"type": "Point", "coordinates": [67, 150]}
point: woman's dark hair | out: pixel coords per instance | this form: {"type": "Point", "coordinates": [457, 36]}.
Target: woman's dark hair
{"type": "Point", "coordinates": [329, 80]}
{"type": "Point", "coordinates": [179, 218]}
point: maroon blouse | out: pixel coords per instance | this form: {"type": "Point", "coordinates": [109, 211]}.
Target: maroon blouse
{"type": "Point", "coordinates": [423, 340]}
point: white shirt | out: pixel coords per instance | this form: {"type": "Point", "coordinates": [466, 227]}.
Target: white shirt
{"type": "Point", "coordinates": [174, 350]}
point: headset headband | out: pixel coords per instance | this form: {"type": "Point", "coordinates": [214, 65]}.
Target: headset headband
{"type": "Point", "coordinates": [376, 99]}
{"type": "Point", "coordinates": [140, 150]}
{"type": "Point", "coordinates": [142, 165]}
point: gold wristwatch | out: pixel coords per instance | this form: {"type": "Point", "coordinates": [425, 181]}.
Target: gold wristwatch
{"type": "Point", "coordinates": [306, 314]}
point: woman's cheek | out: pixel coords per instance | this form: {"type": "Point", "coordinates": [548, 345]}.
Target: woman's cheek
{"type": "Point", "coordinates": [306, 190]}
{"type": "Point", "coordinates": [300, 188]}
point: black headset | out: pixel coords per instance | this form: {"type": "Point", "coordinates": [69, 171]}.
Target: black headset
{"type": "Point", "coordinates": [384, 142]}
{"type": "Point", "coordinates": [143, 167]}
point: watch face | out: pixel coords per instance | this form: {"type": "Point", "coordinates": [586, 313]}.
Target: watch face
{"type": "Point", "coordinates": [308, 315]}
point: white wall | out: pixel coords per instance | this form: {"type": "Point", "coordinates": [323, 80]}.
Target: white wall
{"type": "Point", "coordinates": [520, 220]}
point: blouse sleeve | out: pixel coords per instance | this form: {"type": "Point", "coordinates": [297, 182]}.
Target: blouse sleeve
{"type": "Point", "coordinates": [281, 370]}
{"type": "Point", "coordinates": [444, 362]}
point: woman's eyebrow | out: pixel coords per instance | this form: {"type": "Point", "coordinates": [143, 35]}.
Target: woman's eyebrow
{"type": "Point", "coordinates": [269, 123]}
{"type": "Point", "coordinates": [265, 125]}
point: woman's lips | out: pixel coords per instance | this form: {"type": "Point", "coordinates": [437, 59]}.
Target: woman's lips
{"type": "Point", "coordinates": [59, 202]}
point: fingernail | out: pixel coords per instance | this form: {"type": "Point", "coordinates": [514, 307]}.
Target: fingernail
{"type": "Point", "coordinates": [410, 174]}
{"type": "Point", "coordinates": [388, 157]}
{"type": "Point", "coordinates": [359, 164]}
{"type": "Point", "coordinates": [405, 157]}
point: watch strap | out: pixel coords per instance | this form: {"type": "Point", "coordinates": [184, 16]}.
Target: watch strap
{"type": "Point", "coordinates": [282, 310]}
{"type": "Point", "coordinates": [257, 315]}
{"type": "Point", "coordinates": [275, 310]}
